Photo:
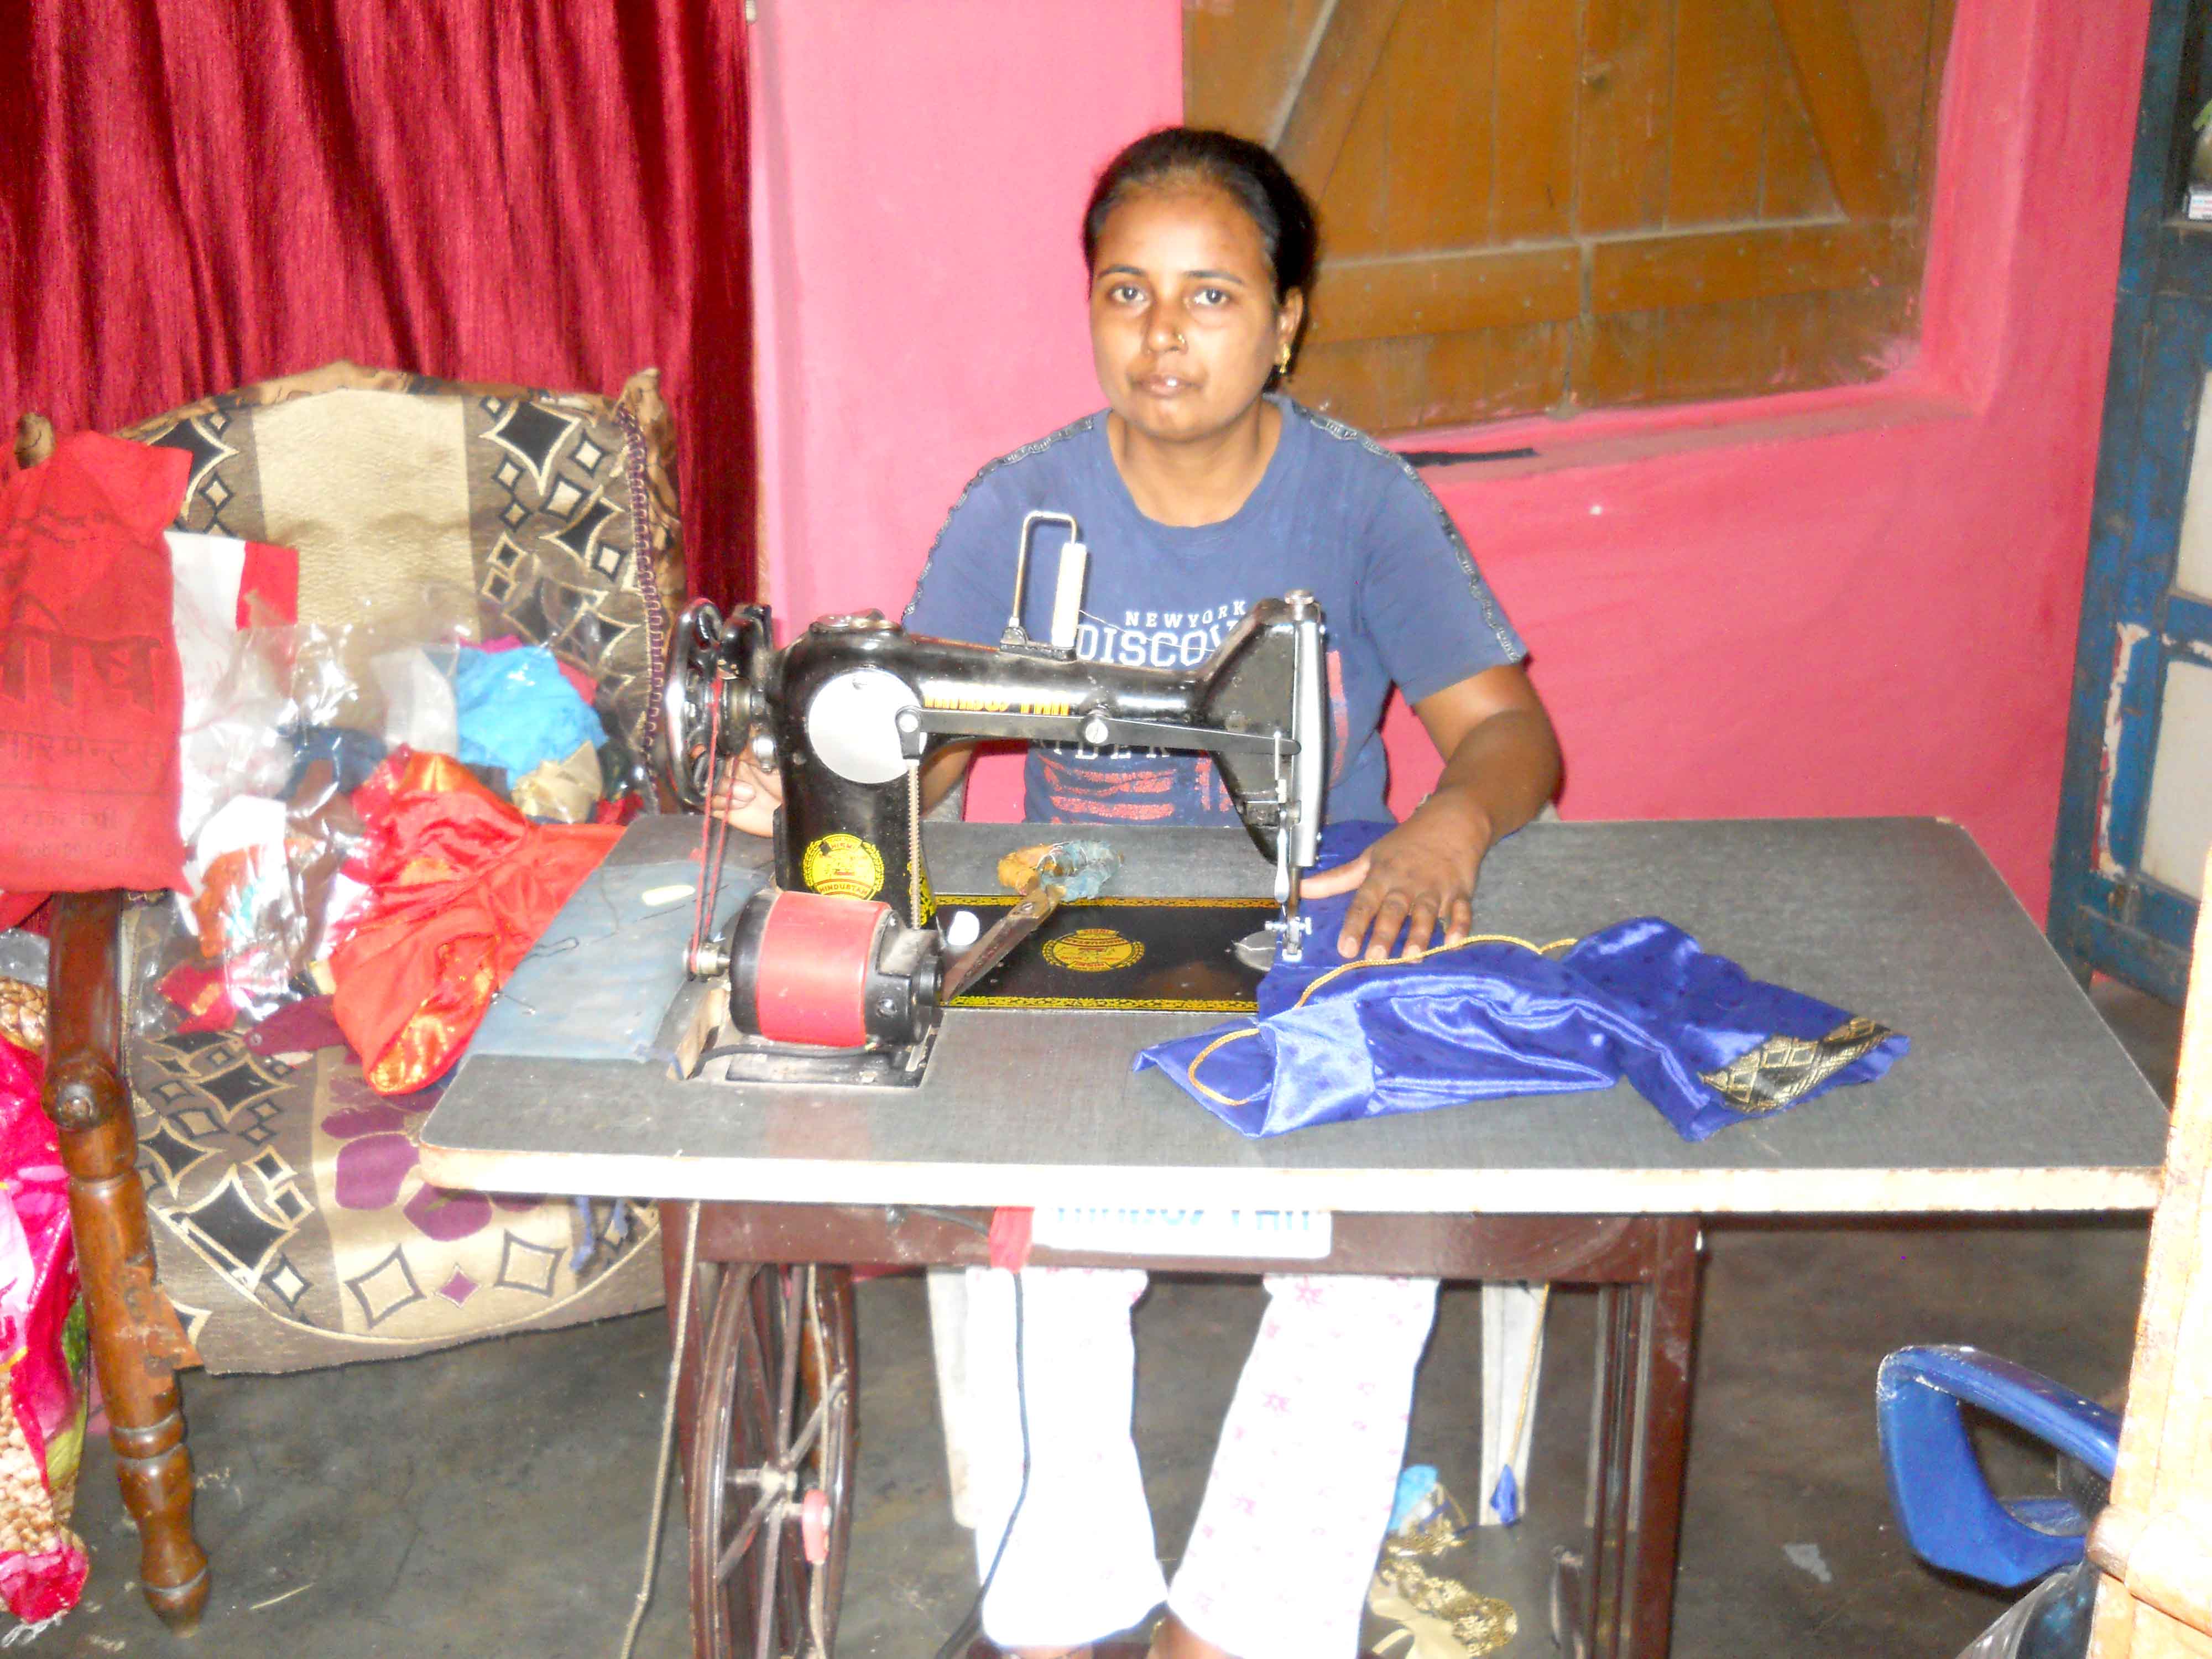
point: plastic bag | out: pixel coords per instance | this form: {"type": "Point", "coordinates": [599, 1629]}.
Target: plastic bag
{"type": "Point", "coordinates": [289, 721]}
{"type": "Point", "coordinates": [419, 710]}
{"type": "Point", "coordinates": [22, 956]}
{"type": "Point", "coordinates": [335, 680]}
{"type": "Point", "coordinates": [236, 697]}
{"type": "Point", "coordinates": [42, 1347]}
{"type": "Point", "coordinates": [2051, 1621]}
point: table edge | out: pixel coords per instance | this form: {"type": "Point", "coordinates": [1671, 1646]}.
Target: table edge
{"type": "Point", "coordinates": [1870, 1191]}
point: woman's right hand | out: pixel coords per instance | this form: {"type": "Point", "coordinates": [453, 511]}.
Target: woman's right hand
{"type": "Point", "coordinates": [745, 798]}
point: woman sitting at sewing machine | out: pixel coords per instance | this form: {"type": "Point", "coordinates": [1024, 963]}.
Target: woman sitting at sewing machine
{"type": "Point", "coordinates": [1201, 488]}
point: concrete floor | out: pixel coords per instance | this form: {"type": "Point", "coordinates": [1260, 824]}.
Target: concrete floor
{"type": "Point", "coordinates": [491, 1501]}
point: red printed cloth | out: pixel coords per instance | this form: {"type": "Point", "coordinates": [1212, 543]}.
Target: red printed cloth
{"type": "Point", "coordinates": [91, 697]}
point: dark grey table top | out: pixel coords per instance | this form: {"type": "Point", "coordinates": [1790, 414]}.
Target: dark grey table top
{"type": "Point", "coordinates": [2015, 1096]}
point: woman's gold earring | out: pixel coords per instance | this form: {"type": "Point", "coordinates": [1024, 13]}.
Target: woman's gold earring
{"type": "Point", "coordinates": [1283, 360]}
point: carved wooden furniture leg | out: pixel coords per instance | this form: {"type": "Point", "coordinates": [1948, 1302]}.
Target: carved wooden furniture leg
{"type": "Point", "coordinates": [136, 1344]}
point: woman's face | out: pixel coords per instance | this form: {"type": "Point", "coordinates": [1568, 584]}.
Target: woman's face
{"type": "Point", "coordinates": [1184, 326]}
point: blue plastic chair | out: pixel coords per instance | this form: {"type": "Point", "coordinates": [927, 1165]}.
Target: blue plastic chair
{"type": "Point", "coordinates": [1942, 1499]}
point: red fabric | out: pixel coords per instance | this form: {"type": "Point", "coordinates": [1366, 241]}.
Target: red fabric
{"type": "Point", "coordinates": [462, 886]}
{"type": "Point", "coordinates": [300, 1027]}
{"type": "Point", "coordinates": [91, 694]}
{"type": "Point", "coordinates": [269, 587]}
{"type": "Point", "coordinates": [1011, 1232]}
{"type": "Point", "coordinates": [537, 190]}
{"type": "Point", "coordinates": [200, 996]}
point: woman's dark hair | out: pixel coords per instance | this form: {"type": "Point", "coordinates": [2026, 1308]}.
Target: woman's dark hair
{"type": "Point", "coordinates": [1258, 182]}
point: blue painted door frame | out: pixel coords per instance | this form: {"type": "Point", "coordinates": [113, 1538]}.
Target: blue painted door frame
{"type": "Point", "coordinates": [2105, 913]}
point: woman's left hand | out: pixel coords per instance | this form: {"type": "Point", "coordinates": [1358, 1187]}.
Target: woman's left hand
{"type": "Point", "coordinates": [1422, 872]}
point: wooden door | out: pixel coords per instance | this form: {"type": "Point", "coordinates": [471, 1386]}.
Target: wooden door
{"type": "Point", "coordinates": [1560, 204]}
{"type": "Point", "coordinates": [2136, 810]}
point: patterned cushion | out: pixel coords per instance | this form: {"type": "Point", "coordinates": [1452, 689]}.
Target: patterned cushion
{"type": "Point", "coordinates": [293, 1228]}
{"type": "Point", "coordinates": [556, 508]}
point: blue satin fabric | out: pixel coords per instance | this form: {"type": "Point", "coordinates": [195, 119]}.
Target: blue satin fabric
{"type": "Point", "coordinates": [1639, 1000]}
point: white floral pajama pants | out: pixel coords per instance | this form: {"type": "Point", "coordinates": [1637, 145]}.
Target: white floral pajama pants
{"type": "Point", "coordinates": [1302, 1479]}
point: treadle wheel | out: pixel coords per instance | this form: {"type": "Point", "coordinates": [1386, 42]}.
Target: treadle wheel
{"type": "Point", "coordinates": [775, 1418]}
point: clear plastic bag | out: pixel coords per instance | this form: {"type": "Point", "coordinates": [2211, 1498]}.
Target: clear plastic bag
{"type": "Point", "coordinates": [335, 682]}
{"type": "Point", "coordinates": [2051, 1621]}
{"type": "Point", "coordinates": [237, 704]}
{"type": "Point", "coordinates": [22, 956]}
{"type": "Point", "coordinates": [290, 720]}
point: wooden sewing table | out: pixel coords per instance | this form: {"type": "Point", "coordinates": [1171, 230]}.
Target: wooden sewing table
{"type": "Point", "coordinates": [2015, 1098]}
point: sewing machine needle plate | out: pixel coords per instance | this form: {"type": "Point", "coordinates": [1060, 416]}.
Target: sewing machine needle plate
{"type": "Point", "coordinates": [1177, 954]}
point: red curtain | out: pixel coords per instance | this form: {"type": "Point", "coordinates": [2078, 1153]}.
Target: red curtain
{"type": "Point", "coordinates": [552, 192]}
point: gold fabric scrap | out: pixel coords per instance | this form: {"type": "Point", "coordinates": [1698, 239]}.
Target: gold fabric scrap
{"type": "Point", "coordinates": [1783, 1070]}
{"type": "Point", "coordinates": [1441, 1617]}
{"type": "Point", "coordinates": [561, 791]}
{"type": "Point", "coordinates": [23, 1014]}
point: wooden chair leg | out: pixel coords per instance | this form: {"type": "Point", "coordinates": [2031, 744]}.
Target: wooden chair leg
{"type": "Point", "coordinates": [137, 1345]}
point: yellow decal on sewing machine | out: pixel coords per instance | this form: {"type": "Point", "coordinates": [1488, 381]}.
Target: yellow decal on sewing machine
{"type": "Point", "coordinates": [1093, 950]}
{"type": "Point", "coordinates": [927, 906]}
{"type": "Point", "coordinates": [842, 867]}
{"type": "Point", "coordinates": [970, 703]}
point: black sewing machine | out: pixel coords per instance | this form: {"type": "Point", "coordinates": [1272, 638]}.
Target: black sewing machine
{"type": "Point", "coordinates": [846, 716]}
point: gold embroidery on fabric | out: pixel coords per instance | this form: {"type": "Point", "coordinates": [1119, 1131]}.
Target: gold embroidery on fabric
{"type": "Point", "coordinates": [1783, 1070]}
{"type": "Point", "coordinates": [1480, 1623]}
{"type": "Point", "coordinates": [1419, 1601]}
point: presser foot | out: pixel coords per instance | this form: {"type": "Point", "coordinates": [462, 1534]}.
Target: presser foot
{"type": "Point", "coordinates": [1282, 939]}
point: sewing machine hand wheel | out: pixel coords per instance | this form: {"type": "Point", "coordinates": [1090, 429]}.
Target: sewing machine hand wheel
{"type": "Point", "coordinates": [710, 658]}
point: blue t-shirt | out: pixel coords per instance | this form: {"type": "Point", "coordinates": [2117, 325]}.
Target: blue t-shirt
{"type": "Point", "coordinates": [1335, 513]}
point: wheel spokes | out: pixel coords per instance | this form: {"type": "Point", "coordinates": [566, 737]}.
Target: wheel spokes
{"type": "Point", "coordinates": [734, 1551]}
{"type": "Point", "coordinates": [787, 1396]}
{"type": "Point", "coordinates": [764, 1628]}
{"type": "Point", "coordinates": [812, 1429]}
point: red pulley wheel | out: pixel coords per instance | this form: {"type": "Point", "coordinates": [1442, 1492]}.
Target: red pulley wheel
{"type": "Point", "coordinates": [811, 985]}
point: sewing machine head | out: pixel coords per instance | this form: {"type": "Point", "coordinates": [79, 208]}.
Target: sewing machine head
{"type": "Point", "coordinates": [848, 713]}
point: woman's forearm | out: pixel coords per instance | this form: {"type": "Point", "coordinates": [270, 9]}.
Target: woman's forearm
{"type": "Point", "coordinates": [1499, 775]}
{"type": "Point", "coordinates": [942, 770]}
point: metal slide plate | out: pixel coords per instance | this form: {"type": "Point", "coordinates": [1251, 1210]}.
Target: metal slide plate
{"type": "Point", "coordinates": [1168, 954]}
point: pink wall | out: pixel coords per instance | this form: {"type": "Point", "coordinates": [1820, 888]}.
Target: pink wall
{"type": "Point", "coordinates": [1857, 602]}
{"type": "Point", "coordinates": [918, 172]}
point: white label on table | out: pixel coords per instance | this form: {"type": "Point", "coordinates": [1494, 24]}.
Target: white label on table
{"type": "Point", "coordinates": [1278, 1235]}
